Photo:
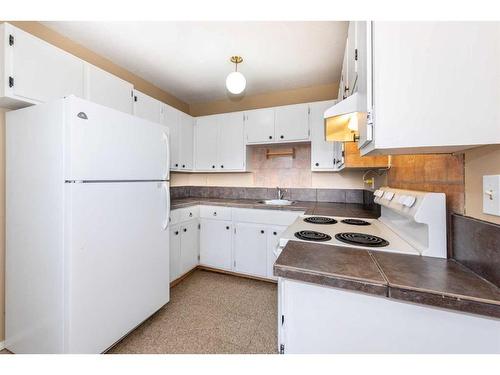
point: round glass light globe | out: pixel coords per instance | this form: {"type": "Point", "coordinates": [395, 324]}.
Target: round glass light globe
{"type": "Point", "coordinates": [236, 82]}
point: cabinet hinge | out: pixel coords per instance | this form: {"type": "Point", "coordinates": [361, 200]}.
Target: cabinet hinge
{"type": "Point", "coordinates": [199, 226]}
{"type": "Point", "coordinates": [356, 54]}
{"type": "Point", "coordinates": [11, 81]}
{"type": "Point", "coordinates": [11, 40]}
{"type": "Point", "coordinates": [282, 349]}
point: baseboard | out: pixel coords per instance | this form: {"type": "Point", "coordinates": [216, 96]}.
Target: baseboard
{"type": "Point", "coordinates": [245, 276]}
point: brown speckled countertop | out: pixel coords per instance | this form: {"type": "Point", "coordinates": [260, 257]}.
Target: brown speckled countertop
{"type": "Point", "coordinates": [431, 281]}
{"type": "Point", "coordinates": [310, 208]}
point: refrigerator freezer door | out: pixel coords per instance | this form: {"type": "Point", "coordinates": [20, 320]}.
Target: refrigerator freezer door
{"type": "Point", "coordinates": [117, 260]}
{"type": "Point", "coordinates": [107, 145]}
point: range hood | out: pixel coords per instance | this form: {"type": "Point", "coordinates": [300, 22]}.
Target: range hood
{"type": "Point", "coordinates": [341, 120]}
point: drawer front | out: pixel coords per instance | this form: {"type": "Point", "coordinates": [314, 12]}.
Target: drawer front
{"type": "Point", "coordinates": [263, 216]}
{"type": "Point", "coordinates": [180, 215]}
{"type": "Point", "coordinates": [216, 212]}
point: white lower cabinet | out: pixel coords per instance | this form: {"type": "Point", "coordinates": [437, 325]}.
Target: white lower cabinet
{"type": "Point", "coordinates": [250, 249]}
{"type": "Point", "coordinates": [241, 240]}
{"type": "Point", "coordinates": [215, 243]}
{"type": "Point", "coordinates": [273, 239]}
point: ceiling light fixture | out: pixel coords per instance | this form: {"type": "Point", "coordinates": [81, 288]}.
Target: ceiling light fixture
{"type": "Point", "coordinates": [235, 81]}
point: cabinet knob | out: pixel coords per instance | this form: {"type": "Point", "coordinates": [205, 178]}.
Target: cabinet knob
{"type": "Point", "coordinates": [317, 164]}
{"type": "Point", "coordinates": [176, 232]}
{"type": "Point", "coordinates": [215, 213]}
{"type": "Point", "coordinates": [281, 136]}
{"type": "Point", "coordinates": [270, 137]}
{"type": "Point", "coordinates": [183, 166]}
{"type": "Point", "coordinates": [190, 214]}
{"type": "Point", "coordinates": [275, 233]}
{"type": "Point", "coordinates": [176, 164]}
{"type": "Point", "coordinates": [262, 231]}
{"type": "Point", "coordinates": [213, 166]}
{"type": "Point", "coordinates": [334, 161]}
{"type": "Point", "coordinates": [222, 166]}
{"type": "Point", "coordinates": [184, 230]}
{"type": "Point", "coordinates": [227, 227]}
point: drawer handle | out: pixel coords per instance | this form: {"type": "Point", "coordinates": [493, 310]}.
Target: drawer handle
{"type": "Point", "coordinates": [262, 231]}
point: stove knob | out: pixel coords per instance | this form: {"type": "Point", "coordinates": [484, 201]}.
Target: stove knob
{"type": "Point", "coordinates": [378, 193]}
{"type": "Point", "coordinates": [388, 195]}
{"type": "Point", "coordinates": [402, 199]}
{"type": "Point", "coordinates": [410, 201]}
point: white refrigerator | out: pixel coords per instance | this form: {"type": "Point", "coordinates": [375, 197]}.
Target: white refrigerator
{"type": "Point", "coordinates": [87, 239]}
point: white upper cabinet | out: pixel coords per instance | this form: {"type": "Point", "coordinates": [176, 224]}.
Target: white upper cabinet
{"type": "Point", "coordinates": [106, 89]}
{"type": "Point", "coordinates": [206, 136]}
{"type": "Point", "coordinates": [35, 71]}
{"type": "Point", "coordinates": [292, 123]}
{"type": "Point", "coordinates": [322, 151]}
{"type": "Point", "coordinates": [185, 142]}
{"type": "Point", "coordinates": [259, 125]}
{"type": "Point", "coordinates": [349, 60]}
{"type": "Point", "coordinates": [170, 118]}
{"type": "Point", "coordinates": [219, 143]}
{"type": "Point", "coordinates": [436, 86]}
{"type": "Point", "coordinates": [147, 107]}
{"type": "Point", "coordinates": [231, 142]}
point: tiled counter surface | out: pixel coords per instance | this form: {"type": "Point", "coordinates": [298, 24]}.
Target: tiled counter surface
{"type": "Point", "coordinates": [430, 281]}
{"type": "Point", "coordinates": [310, 208]}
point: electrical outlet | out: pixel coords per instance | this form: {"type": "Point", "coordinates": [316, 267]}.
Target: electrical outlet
{"type": "Point", "coordinates": [491, 195]}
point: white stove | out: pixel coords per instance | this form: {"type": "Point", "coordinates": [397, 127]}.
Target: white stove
{"type": "Point", "coordinates": [411, 222]}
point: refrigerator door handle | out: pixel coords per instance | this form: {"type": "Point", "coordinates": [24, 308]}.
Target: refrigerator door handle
{"type": "Point", "coordinates": [167, 146]}
{"type": "Point", "coordinates": [167, 206]}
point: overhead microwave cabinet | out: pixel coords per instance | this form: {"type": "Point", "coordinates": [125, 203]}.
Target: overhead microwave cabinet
{"type": "Point", "coordinates": [219, 143]}
{"type": "Point", "coordinates": [436, 86]}
{"type": "Point", "coordinates": [107, 89]}
{"type": "Point", "coordinates": [35, 71]}
{"type": "Point", "coordinates": [325, 155]}
{"type": "Point", "coordinates": [147, 107]}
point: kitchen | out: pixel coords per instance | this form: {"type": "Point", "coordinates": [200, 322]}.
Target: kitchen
{"type": "Point", "coordinates": [239, 204]}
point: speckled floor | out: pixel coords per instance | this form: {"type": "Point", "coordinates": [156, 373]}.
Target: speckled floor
{"type": "Point", "coordinates": [210, 313]}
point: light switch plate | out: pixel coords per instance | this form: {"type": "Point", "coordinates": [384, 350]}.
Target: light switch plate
{"type": "Point", "coordinates": [491, 195]}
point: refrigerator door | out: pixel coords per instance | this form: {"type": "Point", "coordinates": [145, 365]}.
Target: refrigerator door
{"type": "Point", "coordinates": [102, 144]}
{"type": "Point", "coordinates": [117, 260]}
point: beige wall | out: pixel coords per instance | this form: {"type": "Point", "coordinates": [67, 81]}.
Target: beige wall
{"type": "Point", "coordinates": [93, 58]}
{"type": "Point", "coordinates": [271, 99]}
{"type": "Point", "coordinates": [479, 162]}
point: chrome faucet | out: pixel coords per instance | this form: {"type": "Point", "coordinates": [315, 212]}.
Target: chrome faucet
{"type": "Point", "coordinates": [281, 192]}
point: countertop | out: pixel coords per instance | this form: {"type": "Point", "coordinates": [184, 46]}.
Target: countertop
{"type": "Point", "coordinates": [430, 281]}
{"type": "Point", "coordinates": [310, 208]}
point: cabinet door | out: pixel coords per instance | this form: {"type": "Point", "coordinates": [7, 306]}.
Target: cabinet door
{"type": "Point", "coordinates": [344, 84]}
{"type": "Point", "coordinates": [186, 128]}
{"type": "Point", "coordinates": [170, 118]}
{"type": "Point", "coordinates": [215, 243]}
{"type": "Point", "coordinates": [231, 150]}
{"type": "Point", "coordinates": [43, 72]}
{"type": "Point", "coordinates": [206, 134]}
{"type": "Point", "coordinates": [147, 107]}
{"type": "Point", "coordinates": [250, 249]}
{"type": "Point", "coordinates": [273, 238]}
{"type": "Point", "coordinates": [175, 252]}
{"type": "Point", "coordinates": [259, 125]}
{"type": "Point", "coordinates": [106, 89]}
{"type": "Point", "coordinates": [189, 246]}
{"type": "Point", "coordinates": [321, 150]}
{"type": "Point", "coordinates": [351, 58]}
{"type": "Point", "coordinates": [292, 123]}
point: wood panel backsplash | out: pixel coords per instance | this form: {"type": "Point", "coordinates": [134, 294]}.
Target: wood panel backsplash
{"type": "Point", "coordinates": [442, 173]}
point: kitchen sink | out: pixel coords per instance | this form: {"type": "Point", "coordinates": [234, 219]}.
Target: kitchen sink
{"type": "Point", "coordinates": [277, 202]}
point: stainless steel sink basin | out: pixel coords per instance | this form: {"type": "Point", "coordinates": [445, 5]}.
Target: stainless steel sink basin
{"type": "Point", "coordinates": [277, 202]}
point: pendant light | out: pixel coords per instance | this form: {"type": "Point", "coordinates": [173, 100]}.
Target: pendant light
{"type": "Point", "coordinates": [235, 81]}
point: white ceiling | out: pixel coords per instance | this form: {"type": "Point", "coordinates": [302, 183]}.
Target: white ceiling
{"type": "Point", "coordinates": [191, 59]}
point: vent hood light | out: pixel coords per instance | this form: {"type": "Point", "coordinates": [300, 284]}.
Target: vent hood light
{"type": "Point", "coordinates": [341, 120]}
